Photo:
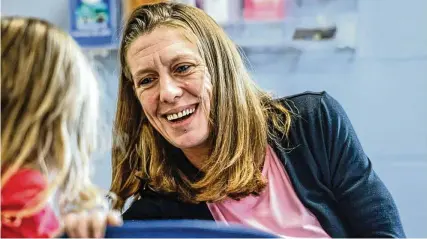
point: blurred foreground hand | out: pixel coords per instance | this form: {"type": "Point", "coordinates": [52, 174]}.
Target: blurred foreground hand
{"type": "Point", "coordinates": [90, 224]}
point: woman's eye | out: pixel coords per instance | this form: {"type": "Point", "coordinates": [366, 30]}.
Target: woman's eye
{"type": "Point", "coordinates": [145, 81]}
{"type": "Point", "coordinates": [182, 69]}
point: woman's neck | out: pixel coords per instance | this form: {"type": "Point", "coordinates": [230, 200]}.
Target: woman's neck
{"type": "Point", "coordinates": [197, 155]}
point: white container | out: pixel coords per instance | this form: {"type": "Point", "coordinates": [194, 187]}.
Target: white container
{"type": "Point", "coordinates": [223, 11]}
{"type": "Point", "coordinates": [188, 2]}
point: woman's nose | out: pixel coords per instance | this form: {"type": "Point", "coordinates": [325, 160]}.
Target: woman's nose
{"type": "Point", "coordinates": [170, 91]}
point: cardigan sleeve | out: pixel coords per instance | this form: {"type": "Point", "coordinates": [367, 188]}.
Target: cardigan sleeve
{"type": "Point", "coordinates": [363, 199]}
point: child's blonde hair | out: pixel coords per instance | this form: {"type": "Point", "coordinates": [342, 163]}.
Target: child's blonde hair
{"type": "Point", "coordinates": [49, 112]}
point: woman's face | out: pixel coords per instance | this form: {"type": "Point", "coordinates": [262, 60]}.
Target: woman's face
{"type": "Point", "coordinates": [171, 83]}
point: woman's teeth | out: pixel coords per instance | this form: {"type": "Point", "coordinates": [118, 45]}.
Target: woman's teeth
{"type": "Point", "coordinates": [180, 114]}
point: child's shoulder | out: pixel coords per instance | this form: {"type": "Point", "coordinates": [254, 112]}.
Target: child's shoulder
{"type": "Point", "coordinates": [22, 192]}
{"type": "Point", "coordinates": [28, 172]}
{"type": "Point", "coordinates": [26, 178]}
{"type": "Point", "coordinates": [22, 187]}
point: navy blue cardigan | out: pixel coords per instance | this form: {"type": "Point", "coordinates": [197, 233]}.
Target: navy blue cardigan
{"type": "Point", "coordinates": [328, 168]}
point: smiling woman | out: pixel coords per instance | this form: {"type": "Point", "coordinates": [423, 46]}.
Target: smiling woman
{"type": "Point", "coordinates": [196, 138]}
{"type": "Point", "coordinates": [174, 64]}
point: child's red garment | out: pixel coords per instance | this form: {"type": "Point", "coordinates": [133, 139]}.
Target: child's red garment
{"type": "Point", "coordinates": [16, 194]}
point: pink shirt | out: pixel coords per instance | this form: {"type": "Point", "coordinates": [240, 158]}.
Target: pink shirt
{"type": "Point", "coordinates": [277, 210]}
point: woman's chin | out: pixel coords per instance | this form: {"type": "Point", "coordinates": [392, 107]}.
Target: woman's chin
{"type": "Point", "coordinates": [185, 142]}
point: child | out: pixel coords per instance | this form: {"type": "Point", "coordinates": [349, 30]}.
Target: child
{"type": "Point", "coordinates": [49, 114]}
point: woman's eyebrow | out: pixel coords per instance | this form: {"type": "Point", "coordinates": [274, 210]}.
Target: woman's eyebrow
{"type": "Point", "coordinates": [181, 56]}
{"type": "Point", "coordinates": [142, 71]}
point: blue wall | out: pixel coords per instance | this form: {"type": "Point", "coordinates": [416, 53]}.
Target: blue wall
{"type": "Point", "coordinates": [383, 87]}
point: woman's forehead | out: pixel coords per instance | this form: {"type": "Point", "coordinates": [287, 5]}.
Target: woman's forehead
{"type": "Point", "coordinates": [166, 45]}
{"type": "Point", "coordinates": [159, 39]}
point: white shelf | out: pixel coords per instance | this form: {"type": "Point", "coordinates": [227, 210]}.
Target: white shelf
{"type": "Point", "coordinates": [278, 34]}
